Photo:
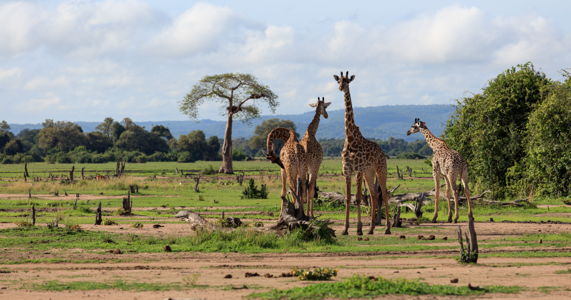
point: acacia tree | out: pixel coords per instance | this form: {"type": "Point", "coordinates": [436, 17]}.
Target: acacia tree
{"type": "Point", "coordinates": [240, 95]}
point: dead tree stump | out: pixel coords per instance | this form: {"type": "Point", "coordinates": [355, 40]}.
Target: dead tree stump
{"type": "Point", "coordinates": [127, 204]}
{"type": "Point", "coordinates": [196, 183]}
{"type": "Point", "coordinates": [134, 188]}
{"type": "Point", "coordinates": [71, 174]}
{"type": "Point", "coordinates": [468, 253]}
{"type": "Point", "coordinates": [98, 217]}
{"type": "Point", "coordinates": [75, 201]}
{"type": "Point", "coordinates": [397, 221]}
{"type": "Point", "coordinates": [83, 173]}
{"type": "Point", "coordinates": [33, 214]}
{"type": "Point", "coordinates": [120, 168]}
{"type": "Point", "coordinates": [240, 178]}
{"type": "Point", "coordinates": [26, 174]}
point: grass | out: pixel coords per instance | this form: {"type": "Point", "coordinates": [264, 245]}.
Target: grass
{"type": "Point", "coordinates": [55, 285]}
{"type": "Point", "coordinates": [364, 287]}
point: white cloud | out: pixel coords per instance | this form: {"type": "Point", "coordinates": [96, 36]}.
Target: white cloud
{"type": "Point", "coordinates": [36, 105]}
{"type": "Point", "coordinates": [11, 73]}
{"type": "Point", "coordinates": [199, 28]}
{"type": "Point", "coordinates": [18, 21]}
{"type": "Point", "coordinates": [47, 83]}
{"type": "Point", "coordinates": [263, 46]}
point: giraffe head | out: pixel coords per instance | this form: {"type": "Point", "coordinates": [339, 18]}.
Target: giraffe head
{"type": "Point", "coordinates": [416, 126]}
{"type": "Point", "coordinates": [321, 106]}
{"type": "Point", "coordinates": [344, 80]}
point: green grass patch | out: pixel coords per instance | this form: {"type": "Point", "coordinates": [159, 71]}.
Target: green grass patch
{"type": "Point", "coordinates": [55, 285]}
{"type": "Point", "coordinates": [364, 287]}
{"type": "Point", "coordinates": [568, 271]}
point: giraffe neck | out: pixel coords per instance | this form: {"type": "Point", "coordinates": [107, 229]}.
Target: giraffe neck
{"type": "Point", "coordinates": [351, 130]}
{"type": "Point", "coordinates": [433, 142]}
{"type": "Point", "coordinates": [312, 128]}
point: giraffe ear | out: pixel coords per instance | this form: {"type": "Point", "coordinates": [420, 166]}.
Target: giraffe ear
{"type": "Point", "coordinates": [313, 104]}
{"type": "Point", "coordinates": [326, 104]}
{"type": "Point", "coordinates": [352, 77]}
{"type": "Point", "coordinates": [336, 78]}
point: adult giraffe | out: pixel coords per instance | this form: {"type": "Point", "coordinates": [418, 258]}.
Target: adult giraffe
{"type": "Point", "coordinates": [313, 150]}
{"type": "Point", "coordinates": [365, 159]}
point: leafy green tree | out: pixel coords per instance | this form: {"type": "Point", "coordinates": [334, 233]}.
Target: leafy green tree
{"type": "Point", "coordinates": [548, 161]}
{"type": "Point", "coordinates": [258, 141]}
{"type": "Point", "coordinates": [489, 129]}
{"type": "Point", "coordinates": [239, 94]}
{"type": "Point", "coordinates": [4, 126]}
{"type": "Point", "coordinates": [106, 127]}
{"type": "Point", "coordinates": [136, 138]}
{"type": "Point", "coordinates": [192, 146]}
{"type": "Point", "coordinates": [60, 136]}
{"type": "Point", "coordinates": [162, 131]}
{"type": "Point", "coordinates": [213, 148]}
{"type": "Point", "coordinates": [116, 130]}
{"type": "Point", "coordinates": [98, 142]}
{"type": "Point", "coordinates": [13, 146]}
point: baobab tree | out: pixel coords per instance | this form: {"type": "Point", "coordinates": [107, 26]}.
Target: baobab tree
{"type": "Point", "coordinates": [240, 95]}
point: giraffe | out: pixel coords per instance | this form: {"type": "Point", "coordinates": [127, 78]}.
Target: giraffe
{"type": "Point", "coordinates": [365, 159]}
{"type": "Point", "coordinates": [313, 150]}
{"type": "Point", "coordinates": [292, 162]}
{"type": "Point", "coordinates": [447, 163]}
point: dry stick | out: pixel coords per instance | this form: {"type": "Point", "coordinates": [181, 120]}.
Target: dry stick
{"type": "Point", "coordinates": [71, 173]}
{"type": "Point", "coordinates": [33, 214]}
{"type": "Point", "coordinates": [83, 173]}
{"type": "Point", "coordinates": [98, 218]}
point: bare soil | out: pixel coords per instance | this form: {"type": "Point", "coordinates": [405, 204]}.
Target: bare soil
{"type": "Point", "coordinates": [202, 274]}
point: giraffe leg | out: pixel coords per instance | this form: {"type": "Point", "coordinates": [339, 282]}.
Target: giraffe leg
{"type": "Point", "coordinates": [454, 189]}
{"type": "Point", "coordinates": [385, 195]}
{"type": "Point", "coordinates": [467, 192]}
{"type": "Point", "coordinates": [373, 197]}
{"type": "Point", "coordinates": [448, 198]}
{"type": "Point", "coordinates": [347, 203]}
{"type": "Point", "coordinates": [284, 183]}
{"type": "Point", "coordinates": [311, 193]}
{"type": "Point", "coordinates": [358, 195]}
{"type": "Point", "coordinates": [436, 176]}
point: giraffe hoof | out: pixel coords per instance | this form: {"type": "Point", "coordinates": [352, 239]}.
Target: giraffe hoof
{"type": "Point", "coordinates": [371, 232]}
{"type": "Point", "coordinates": [359, 232]}
{"type": "Point", "coordinates": [345, 232]}
{"type": "Point", "coordinates": [388, 231]}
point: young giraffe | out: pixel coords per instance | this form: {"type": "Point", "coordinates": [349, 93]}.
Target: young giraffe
{"type": "Point", "coordinates": [365, 159]}
{"type": "Point", "coordinates": [292, 161]}
{"type": "Point", "coordinates": [447, 163]}
{"type": "Point", "coordinates": [313, 150]}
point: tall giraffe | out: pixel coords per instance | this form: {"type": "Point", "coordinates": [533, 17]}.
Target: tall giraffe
{"type": "Point", "coordinates": [447, 163]}
{"type": "Point", "coordinates": [292, 161]}
{"type": "Point", "coordinates": [313, 150]}
{"type": "Point", "coordinates": [365, 159]}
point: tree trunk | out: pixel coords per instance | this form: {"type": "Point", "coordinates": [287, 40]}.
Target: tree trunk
{"type": "Point", "coordinates": [226, 166]}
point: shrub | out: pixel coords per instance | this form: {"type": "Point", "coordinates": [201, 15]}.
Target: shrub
{"type": "Point", "coordinates": [109, 222]}
{"type": "Point", "coordinates": [252, 191]}
{"type": "Point", "coordinates": [314, 274]}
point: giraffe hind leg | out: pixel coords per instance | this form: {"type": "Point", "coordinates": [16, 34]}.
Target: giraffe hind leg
{"type": "Point", "coordinates": [373, 197]}
{"type": "Point", "coordinates": [448, 198]}
{"type": "Point", "coordinates": [436, 195]}
{"type": "Point", "coordinates": [358, 195]}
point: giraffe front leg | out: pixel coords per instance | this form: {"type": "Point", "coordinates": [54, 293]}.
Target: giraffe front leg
{"type": "Point", "coordinates": [385, 196]}
{"type": "Point", "coordinates": [436, 195]}
{"type": "Point", "coordinates": [347, 203]}
{"type": "Point", "coordinates": [456, 198]}
{"type": "Point", "coordinates": [449, 199]}
{"type": "Point", "coordinates": [467, 193]}
{"type": "Point", "coordinates": [358, 196]}
{"type": "Point", "coordinates": [373, 198]}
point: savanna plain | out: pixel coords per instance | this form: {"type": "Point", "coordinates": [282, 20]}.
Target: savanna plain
{"type": "Point", "coordinates": [525, 250]}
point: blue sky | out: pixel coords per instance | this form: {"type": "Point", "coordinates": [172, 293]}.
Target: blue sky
{"type": "Point", "coordinates": [87, 60]}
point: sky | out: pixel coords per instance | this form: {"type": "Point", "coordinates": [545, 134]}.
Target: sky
{"type": "Point", "coordinates": [87, 60]}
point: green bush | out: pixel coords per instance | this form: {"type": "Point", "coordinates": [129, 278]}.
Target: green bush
{"type": "Point", "coordinates": [252, 191]}
{"type": "Point", "coordinates": [314, 274]}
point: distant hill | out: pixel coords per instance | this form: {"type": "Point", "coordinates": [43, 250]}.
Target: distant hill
{"type": "Point", "coordinates": [375, 122]}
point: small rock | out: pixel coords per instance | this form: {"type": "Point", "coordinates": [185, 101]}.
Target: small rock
{"type": "Point", "coordinates": [116, 251]}
{"type": "Point", "coordinates": [402, 237]}
{"type": "Point", "coordinates": [286, 275]}
{"type": "Point", "coordinates": [359, 239]}
{"type": "Point", "coordinates": [228, 276]}
{"type": "Point", "coordinates": [268, 275]}
{"type": "Point", "coordinates": [492, 220]}
{"type": "Point", "coordinates": [372, 278]}
{"type": "Point", "coordinates": [420, 237]}
{"type": "Point", "coordinates": [445, 238]}
{"type": "Point", "coordinates": [248, 274]}
{"type": "Point", "coordinates": [454, 280]}
{"type": "Point", "coordinates": [167, 248]}
{"type": "Point", "coordinates": [541, 241]}
{"type": "Point", "coordinates": [431, 237]}
{"type": "Point", "coordinates": [157, 226]}
{"type": "Point", "coordinates": [366, 239]}
{"type": "Point", "coordinates": [397, 271]}
{"type": "Point", "coordinates": [474, 288]}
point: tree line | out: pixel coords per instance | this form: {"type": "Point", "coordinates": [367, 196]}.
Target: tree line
{"type": "Point", "coordinates": [66, 142]}
{"type": "Point", "coordinates": [516, 134]}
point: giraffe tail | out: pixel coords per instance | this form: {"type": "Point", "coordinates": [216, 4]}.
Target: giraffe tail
{"type": "Point", "coordinates": [279, 133]}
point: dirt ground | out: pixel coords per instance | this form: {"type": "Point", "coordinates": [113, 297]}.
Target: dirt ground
{"type": "Point", "coordinates": [202, 274]}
